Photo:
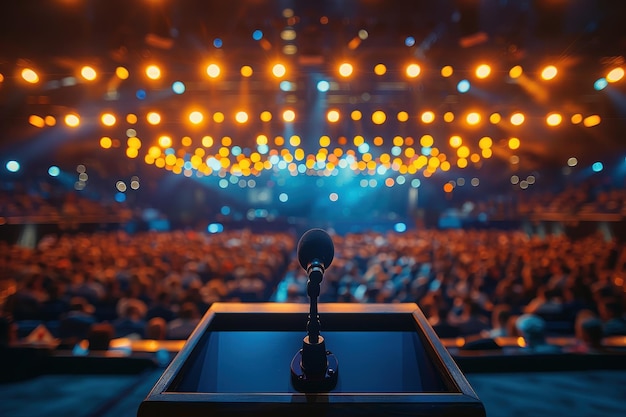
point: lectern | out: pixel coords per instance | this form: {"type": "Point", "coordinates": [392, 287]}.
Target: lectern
{"type": "Point", "coordinates": [237, 363]}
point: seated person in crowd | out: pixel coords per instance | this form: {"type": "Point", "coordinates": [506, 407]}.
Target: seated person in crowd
{"type": "Point", "coordinates": [532, 328]}
{"type": "Point", "coordinates": [184, 325]}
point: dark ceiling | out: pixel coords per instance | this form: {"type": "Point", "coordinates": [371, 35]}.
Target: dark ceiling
{"type": "Point", "coordinates": [583, 38]}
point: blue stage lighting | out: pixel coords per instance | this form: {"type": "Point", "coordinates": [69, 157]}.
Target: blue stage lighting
{"type": "Point", "coordinates": [178, 87]}
{"type": "Point", "coordinates": [463, 86]}
{"type": "Point", "coordinates": [257, 35]}
{"type": "Point", "coordinates": [54, 171]}
{"type": "Point", "coordinates": [600, 84]}
{"type": "Point", "coordinates": [323, 86]}
{"type": "Point", "coordinates": [597, 166]}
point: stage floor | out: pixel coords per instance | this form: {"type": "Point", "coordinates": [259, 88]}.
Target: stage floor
{"type": "Point", "coordinates": [534, 394]}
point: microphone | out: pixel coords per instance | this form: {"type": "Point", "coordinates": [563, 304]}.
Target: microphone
{"type": "Point", "coordinates": [313, 368]}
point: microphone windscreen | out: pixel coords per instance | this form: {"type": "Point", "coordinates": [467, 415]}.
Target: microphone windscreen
{"type": "Point", "coordinates": [315, 244]}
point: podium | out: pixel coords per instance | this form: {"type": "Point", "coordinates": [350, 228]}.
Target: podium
{"type": "Point", "coordinates": [237, 363]}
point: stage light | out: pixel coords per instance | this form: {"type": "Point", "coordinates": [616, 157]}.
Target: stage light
{"type": "Point", "coordinates": [289, 116]}
{"type": "Point", "coordinates": [345, 69]}
{"type": "Point", "coordinates": [50, 120]}
{"type": "Point", "coordinates": [447, 71]}
{"type": "Point", "coordinates": [463, 86]}
{"type": "Point", "coordinates": [106, 142]}
{"type": "Point", "coordinates": [1, 77]}
{"type": "Point", "coordinates": [165, 141]}
{"type": "Point", "coordinates": [108, 119]}
{"type": "Point", "coordinates": [178, 87]}
{"type": "Point", "coordinates": [472, 118]}
{"type": "Point", "coordinates": [30, 76]}
{"type": "Point", "coordinates": [615, 75]}
{"type": "Point", "coordinates": [72, 120]}
{"type": "Point", "coordinates": [153, 118]}
{"type": "Point", "coordinates": [246, 71]}
{"type": "Point", "coordinates": [455, 141]}
{"type": "Point", "coordinates": [257, 35]}
{"type": "Point", "coordinates": [131, 118]}
{"type": "Point", "coordinates": [447, 187]}
{"type": "Point", "coordinates": [572, 162]}
{"type": "Point", "coordinates": [483, 71]}
{"type": "Point", "coordinates": [448, 117]}
{"type": "Point", "coordinates": [265, 116]}
{"type": "Point", "coordinates": [549, 72]}
{"type": "Point", "coordinates": [576, 118]}
{"type": "Point", "coordinates": [196, 117]}
{"type": "Point", "coordinates": [514, 143]}
{"type": "Point", "coordinates": [591, 121]}
{"type": "Point", "coordinates": [600, 84]}
{"type": "Point", "coordinates": [402, 116]}
{"type": "Point", "coordinates": [461, 163]}
{"type": "Point", "coordinates": [380, 69]}
{"type": "Point", "coordinates": [122, 73]}
{"type": "Point", "coordinates": [279, 70]}
{"type": "Point", "coordinates": [487, 153]}
{"type": "Point", "coordinates": [485, 142]}
{"type": "Point", "coordinates": [323, 86]}
{"type": "Point", "coordinates": [516, 72]}
{"type": "Point", "coordinates": [554, 119]}
{"type": "Point", "coordinates": [141, 94]}
{"type": "Point", "coordinates": [427, 141]}
{"type": "Point", "coordinates": [379, 117]}
{"type": "Point", "coordinates": [207, 141]}
{"type": "Point", "coordinates": [463, 152]}
{"type": "Point", "coordinates": [241, 117]}
{"type": "Point", "coordinates": [427, 117]}
{"type": "Point", "coordinates": [12, 166]}
{"type": "Point", "coordinates": [356, 115]}
{"type": "Point", "coordinates": [153, 72]}
{"type": "Point", "coordinates": [287, 86]}
{"type": "Point", "coordinates": [218, 43]}
{"type": "Point", "coordinates": [413, 70]}
{"type": "Point", "coordinates": [88, 73]}
{"type": "Point", "coordinates": [332, 116]}
{"type": "Point", "coordinates": [218, 117]}
{"type": "Point", "coordinates": [495, 118]}
{"type": "Point", "coordinates": [409, 41]}
{"type": "Point", "coordinates": [597, 166]}
{"type": "Point", "coordinates": [36, 121]}
{"type": "Point", "coordinates": [54, 171]}
{"type": "Point", "coordinates": [134, 143]}
{"type": "Point", "coordinates": [517, 119]}
{"type": "Point", "coordinates": [213, 70]}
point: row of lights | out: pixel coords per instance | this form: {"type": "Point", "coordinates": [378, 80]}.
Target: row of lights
{"type": "Point", "coordinates": [344, 69]}
{"type": "Point", "coordinates": [378, 117]}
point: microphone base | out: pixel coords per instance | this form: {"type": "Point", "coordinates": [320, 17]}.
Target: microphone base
{"type": "Point", "coordinates": [322, 371]}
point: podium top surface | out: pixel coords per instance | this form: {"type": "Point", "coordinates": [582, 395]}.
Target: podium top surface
{"type": "Point", "coordinates": [237, 362]}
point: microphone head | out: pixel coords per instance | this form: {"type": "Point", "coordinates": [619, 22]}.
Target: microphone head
{"type": "Point", "coordinates": [315, 244]}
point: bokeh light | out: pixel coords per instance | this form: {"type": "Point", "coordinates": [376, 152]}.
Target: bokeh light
{"type": "Point", "coordinates": [153, 72]}
{"type": "Point", "coordinates": [346, 69]}
{"type": "Point", "coordinates": [549, 72]}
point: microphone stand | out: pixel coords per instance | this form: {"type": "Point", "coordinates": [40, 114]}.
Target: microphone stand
{"type": "Point", "coordinates": [313, 368]}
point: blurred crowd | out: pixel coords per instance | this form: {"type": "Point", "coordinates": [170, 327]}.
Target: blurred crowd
{"type": "Point", "coordinates": [149, 284]}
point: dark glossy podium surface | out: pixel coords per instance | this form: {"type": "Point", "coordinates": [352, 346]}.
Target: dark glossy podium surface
{"type": "Point", "coordinates": [237, 362]}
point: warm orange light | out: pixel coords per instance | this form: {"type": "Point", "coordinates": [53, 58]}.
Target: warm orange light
{"type": "Point", "coordinates": [554, 119]}
{"type": "Point", "coordinates": [153, 118]}
{"type": "Point", "coordinates": [72, 120]}
{"type": "Point", "coordinates": [483, 71]}
{"type": "Point", "coordinates": [472, 118]}
{"type": "Point", "coordinates": [485, 142]}
{"type": "Point", "coordinates": [153, 72]}
{"type": "Point", "coordinates": [380, 69]}
{"type": "Point", "coordinates": [413, 70]}
{"type": "Point", "coordinates": [495, 118]}
{"type": "Point", "coordinates": [517, 119]}
{"type": "Point", "coordinates": [591, 121]}
{"type": "Point", "coordinates": [30, 76]}
{"type": "Point", "coordinates": [108, 119]}
{"type": "Point", "coordinates": [577, 118]}
{"type": "Point", "coordinates": [516, 72]}
{"type": "Point", "coordinates": [50, 120]}
{"type": "Point", "coordinates": [455, 141]}
{"type": "Point", "coordinates": [213, 70]}
{"type": "Point", "coordinates": [379, 117]}
{"type": "Point", "coordinates": [324, 141]}
{"type": "Point", "coordinates": [448, 187]}
{"type": "Point", "coordinates": [427, 117]}
{"type": "Point", "coordinates": [514, 143]}
{"type": "Point", "coordinates": [165, 141]}
{"type": "Point", "coordinates": [218, 117]}
{"type": "Point", "coordinates": [106, 142]}
{"type": "Point", "coordinates": [345, 69]}
{"type": "Point", "coordinates": [332, 116]}
{"type": "Point", "coordinates": [463, 151]}
{"type": "Point", "coordinates": [241, 117]}
{"type": "Point", "coordinates": [615, 75]}
{"type": "Point", "coordinates": [461, 163]}
{"type": "Point", "coordinates": [448, 117]}
{"type": "Point", "coordinates": [196, 117]}
{"type": "Point", "coordinates": [427, 141]}
{"type": "Point", "coordinates": [36, 121]}
{"type": "Point", "coordinates": [549, 72]}
{"type": "Point", "coordinates": [266, 116]}
{"type": "Point", "coordinates": [402, 116]}
{"type": "Point", "coordinates": [356, 115]}
{"type": "Point", "coordinates": [447, 71]}
{"type": "Point", "coordinates": [289, 116]}
{"type": "Point", "coordinates": [122, 73]}
{"type": "Point", "coordinates": [279, 70]}
{"type": "Point", "coordinates": [246, 71]}
{"type": "Point", "coordinates": [88, 73]}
